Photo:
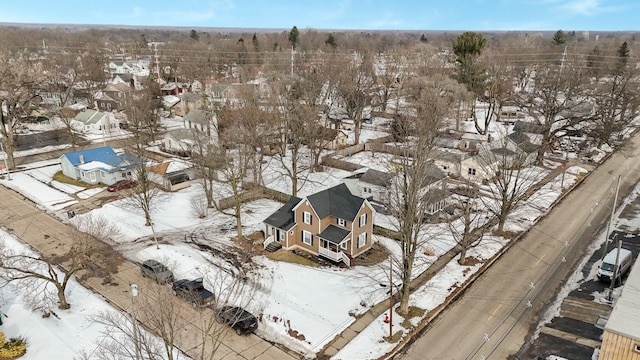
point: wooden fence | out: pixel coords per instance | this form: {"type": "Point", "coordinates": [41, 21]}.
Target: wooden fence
{"type": "Point", "coordinates": [253, 192]}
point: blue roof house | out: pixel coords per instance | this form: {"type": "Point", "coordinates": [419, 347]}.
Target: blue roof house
{"type": "Point", "coordinates": [98, 165]}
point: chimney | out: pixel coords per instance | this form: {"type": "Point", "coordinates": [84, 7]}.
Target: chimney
{"type": "Point", "coordinates": [81, 156]}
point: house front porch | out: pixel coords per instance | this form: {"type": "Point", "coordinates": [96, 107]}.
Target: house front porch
{"type": "Point", "coordinates": [331, 252]}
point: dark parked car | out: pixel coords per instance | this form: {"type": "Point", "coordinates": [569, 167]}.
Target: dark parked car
{"type": "Point", "coordinates": [156, 271]}
{"type": "Point", "coordinates": [242, 321]}
{"type": "Point", "coordinates": [121, 184]}
{"type": "Point", "coordinates": [193, 291]}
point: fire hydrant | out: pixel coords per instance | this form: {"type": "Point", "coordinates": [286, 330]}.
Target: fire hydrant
{"type": "Point", "coordinates": [386, 318]}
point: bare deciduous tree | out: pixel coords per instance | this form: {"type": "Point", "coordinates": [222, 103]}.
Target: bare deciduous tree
{"type": "Point", "coordinates": [20, 76]}
{"type": "Point", "coordinates": [508, 168]}
{"type": "Point", "coordinates": [356, 89]}
{"type": "Point", "coordinates": [409, 195]}
{"type": "Point", "coordinates": [468, 229]}
{"type": "Point", "coordinates": [557, 102]}
{"type": "Point", "coordinates": [40, 273]}
{"type": "Point", "coordinates": [295, 118]}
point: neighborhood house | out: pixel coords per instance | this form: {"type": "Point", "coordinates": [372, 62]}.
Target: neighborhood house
{"type": "Point", "coordinates": [98, 165]}
{"type": "Point", "coordinates": [172, 174]}
{"type": "Point", "coordinates": [333, 224]}
{"type": "Point", "coordinates": [95, 122]}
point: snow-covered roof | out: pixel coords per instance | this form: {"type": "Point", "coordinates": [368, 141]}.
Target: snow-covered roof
{"type": "Point", "coordinates": [92, 165]}
{"type": "Point", "coordinates": [170, 166]}
{"type": "Point", "coordinates": [170, 100]}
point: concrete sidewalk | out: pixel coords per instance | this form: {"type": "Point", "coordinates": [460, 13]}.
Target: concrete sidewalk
{"type": "Point", "coordinates": [49, 236]}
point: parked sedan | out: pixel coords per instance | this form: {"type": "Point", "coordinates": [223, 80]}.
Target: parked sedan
{"type": "Point", "coordinates": [242, 321]}
{"type": "Point", "coordinates": [156, 271]}
{"type": "Point", "coordinates": [121, 184]}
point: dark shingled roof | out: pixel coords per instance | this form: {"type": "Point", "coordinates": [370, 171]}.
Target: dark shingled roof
{"type": "Point", "coordinates": [376, 177]}
{"type": "Point", "coordinates": [283, 217]}
{"type": "Point", "coordinates": [334, 234]}
{"type": "Point", "coordinates": [337, 201]}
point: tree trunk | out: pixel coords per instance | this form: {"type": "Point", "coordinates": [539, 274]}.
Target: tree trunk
{"type": "Point", "coordinates": [463, 254]}
{"type": "Point", "coordinates": [238, 219]}
{"type": "Point", "coordinates": [62, 299]}
{"type": "Point", "coordinates": [404, 296]}
{"type": "Point", "coordinates": [147, 217]}
{"type": "Point", "coordinates": [356, 130]}
{"type": "Point", "coordinates": [208, 192]}
{"type": "Point", "coordinates": [501, 220]}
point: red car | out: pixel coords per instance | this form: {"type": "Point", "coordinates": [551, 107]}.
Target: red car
{"type": "Point", "coordinates": [121, 184]}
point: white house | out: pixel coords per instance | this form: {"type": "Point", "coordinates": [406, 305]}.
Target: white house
{"type": "Point", "coordinates": [371, 184]}
{"type": "Point", "coordinates": [375, 186]}
{"type": "Point", "coordinates": [184, 142]}
{"type": "Point", "coordinates": [98, 165]}
{"type": "Point", "coordinates": [95, 122]}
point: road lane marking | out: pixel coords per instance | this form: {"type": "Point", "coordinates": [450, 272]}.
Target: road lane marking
{"type": "Point", "coordinates": [494, 312]}
{"type": "Point", "coordinates": [540, 259]}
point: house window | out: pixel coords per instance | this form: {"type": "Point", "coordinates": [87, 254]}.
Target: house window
{"type": "Point", "coordinates": [343, 245]}
{"type": "Point", "coordinates": [471, 171]}
{"type": "Point", "coordinates": [363, 220]}
{"type": "Point", "coordinates": [636, 348]}
{"type": "Point", "coordinates": [342, 222]}
{"type": "Point", "coordinates": [307, 238]}
{"type": "Point", "coordinates": [362, 240]}
{"type": "Point", "coordinates": [306, 217]}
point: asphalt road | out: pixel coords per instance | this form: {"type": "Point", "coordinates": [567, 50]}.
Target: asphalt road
{"type": "Point", "coordinates": [494, 316]}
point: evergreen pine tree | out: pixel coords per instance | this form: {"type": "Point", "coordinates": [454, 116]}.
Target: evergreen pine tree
{"type": "Point", "coordinates": [331, 41]}
{"type": "Point", "coordinates": [623, 58]}
{"type": "Point", "coordinates": [194, 35]}
{"type": "Point", "coordinates": [423, 38]}
{"type": "Point", "coordinates": [559, 38]}
{"type": "Point", "coordinates": [293, 36]}
{"type": "Point", "coordinates": [255, 42]}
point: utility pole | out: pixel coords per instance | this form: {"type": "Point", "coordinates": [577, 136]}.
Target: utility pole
{"type": "Point", "coordinates": [613, 210]}
{"type": "Point", "coordinates": [564, 58]}
{"type": "Point", "coordinates": [390, 298]}
{"type": "Point", "coordinates": [615, 272]}
{"type": "Point", "coordinates": [5, 160]}
{"type": "Point", "coordinates": [155, 51]}
{"type": "Point", "coordinates": [293, 51]}
{"type": "Point", "coordinates": [134, 322]}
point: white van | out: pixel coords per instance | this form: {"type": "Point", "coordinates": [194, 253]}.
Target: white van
{"type": "Point", "coordinates": [606, 269]}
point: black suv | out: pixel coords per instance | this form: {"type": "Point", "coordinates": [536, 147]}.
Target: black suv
{"type": "Point", "coordinates": [242, 321]}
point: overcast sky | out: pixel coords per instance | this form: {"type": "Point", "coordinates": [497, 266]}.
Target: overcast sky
{"type": "Point", "coordinates": [616, 15]}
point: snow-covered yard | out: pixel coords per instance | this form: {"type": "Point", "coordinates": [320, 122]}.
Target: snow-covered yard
{"type": "Point", "coordinates": [316, 302]}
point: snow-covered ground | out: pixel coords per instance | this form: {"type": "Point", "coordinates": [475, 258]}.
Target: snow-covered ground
{"type": "Point", "coordinates": [63, 335]}
{"type": "Point", "coordinates": [316, 302]}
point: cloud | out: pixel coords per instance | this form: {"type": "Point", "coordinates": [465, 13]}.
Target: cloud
{"type": "Point", "coordinates": [585, 7]}
{"type": "Point", "coordinates": [186, 12]}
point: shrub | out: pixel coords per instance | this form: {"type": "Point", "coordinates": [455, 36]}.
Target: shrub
{"type": "Point", "coordinates": [12, 349]}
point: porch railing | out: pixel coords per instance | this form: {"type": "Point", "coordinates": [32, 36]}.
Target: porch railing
{"type": "Point", "coordinates": [336, 256]}
{"type": "Point", "coordinates": [268, 241]}
{"type": "Point", "coordinates": [345, 259]}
